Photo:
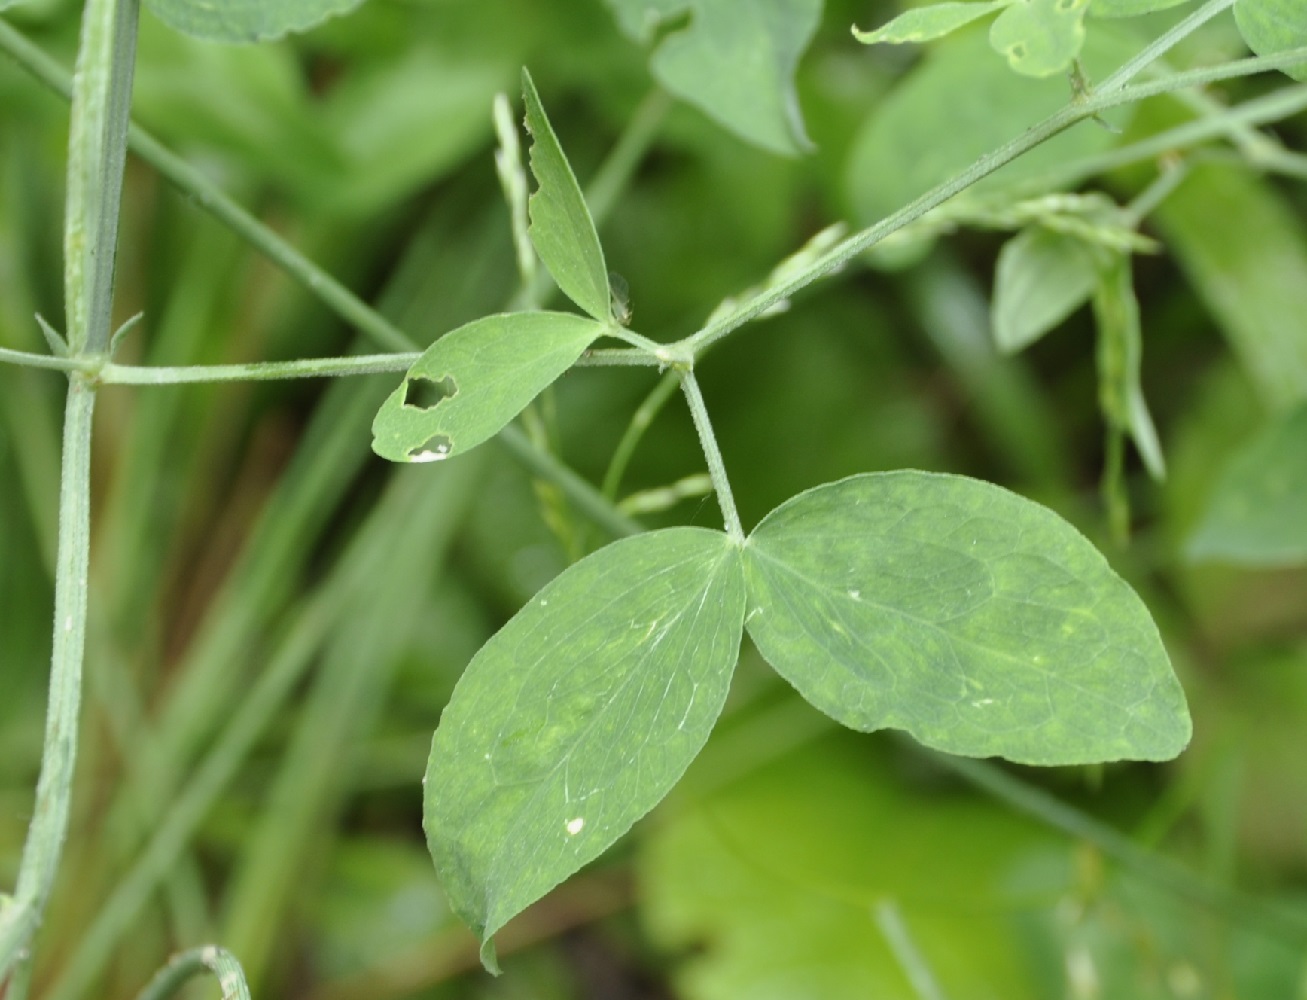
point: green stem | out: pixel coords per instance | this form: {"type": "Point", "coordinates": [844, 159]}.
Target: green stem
{"type": "Point", "coordinates": [173, 976]}
{"type": "Point", "coordinates": [839, 255]}
{"type": "Point", "coordinates": [889, 919]}
{"type": "Point", "coordinates": [640, 422]}
{"type": "Point", "coordinates": [49, 826]}
{"type": "Point", "coordinates": [716, 467]}
{"type": "Point", "coordinates": [1163, 44]}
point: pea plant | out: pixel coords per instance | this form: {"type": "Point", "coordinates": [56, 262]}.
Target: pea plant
{"type": "Point", "coordinates": [973, 619]}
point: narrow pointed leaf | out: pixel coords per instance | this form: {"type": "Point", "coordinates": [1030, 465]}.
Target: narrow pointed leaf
{"type": "Point", "coordinates": [978, 621]}
{"type": "Point", "coordinates": [1042, 277]}
{"type": "Point", "coordinates": [1040, 37]}
{"type": "Point", "coordinates": [246, 20]}
{"type": "Point", "coordinates": [561, 227]}
{"type": "Point", "coordinates": [1271, 26]}
{"type": "Point", "coordinates": [925, 24]}
{"type": "Point", "coordinates": [1120, 350]}
{"type": "Point", "coordinates": [578, 716]}
{"type": "Point", "coordinates": [1257, 515]}
{"type": "Point", "coordinates": [471, 382]}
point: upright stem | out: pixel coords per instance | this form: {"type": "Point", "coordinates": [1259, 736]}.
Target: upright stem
{"type": "Point", "coordinates": [173, 976]}
{"type": "Point", "coordinates": [97, 149]}
{"type": "Point", "coordinates": [716, 467]}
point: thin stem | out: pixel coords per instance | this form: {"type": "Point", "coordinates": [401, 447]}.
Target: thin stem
{"type": "Point", "coordinates": [363, 364]}
{"type": "Point", "coordinates": [640, 422]}
{"type": "Point", "coordinates": [49, 826]}
{"type": "Point", "coordinates": [716, 467]}
{"type": "Point", "coordinates": [1056, 123]}
{"type": "Point", "coordinates": [895, 932]}
{"type": "Point", "coordinates": [31, 360]}
{"type": "Point", "coordinates": [1163, 44]}
{"type": "Point", "coordinates": [1240, 909]}
{"type": "Point", "coordinates": [619, 356]}
{"type": "Point", "coordinates": [1157, 192]}
{"type": "Point", "coordinates": [173, 976]}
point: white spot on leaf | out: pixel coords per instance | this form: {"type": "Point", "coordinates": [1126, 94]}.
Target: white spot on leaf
{"type": "Point", "coordinates": [575, 826]}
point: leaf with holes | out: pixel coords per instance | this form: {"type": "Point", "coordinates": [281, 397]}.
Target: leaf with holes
{"type": "Point", "coordinates": [1040, 37]}
{"type": "Point", "coordinates": [978, 621]}
{"type": "Point", "coordinates": [1257, 515]}
{"type": "Point", "coordinates": [1042, 277]}
{"type": "Point", "coordinates": [578, 716]}
{"type": "Point", "coordinates": [246, 20]}
{"type": "Point", "coordinates": [735, 60]}
{"type": "Point", "coordinates": [1120, 351]}
{"type": "Point", "coordinates": [471, 382]}
{"type": "Point", "coordinates": [1271, 26]}
{"type": "Point", "coordinates": [925, 24]}
{"type": "Point", "coordinates": [561, 227]}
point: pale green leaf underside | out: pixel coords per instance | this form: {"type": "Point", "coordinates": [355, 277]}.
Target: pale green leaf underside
{"type": "Point", "coordinates": [1257, 515]}
{"type": "Point", "coordinates": [735, 60]}
{"type": "Point", "coordinates": [561, 227]}
{"type": "Point", "coordinates": [978, 621]}
{"type": "Point", "coordinates": [1129, 8]}
{"type": "Point", "coordinates": [578, 716]}
{"type": "Point", "coordinates": [1270, 26]}
{"type": "Point", "coordinates": [1042, 277]}
{"type": "Point", "coordinates": [1040, 37]}
{"type": "Point", "coordinates": [471, 382]}
{"type": "Point", "coordinates": [925, 24]}
{"type": "Point", "coordinates": [246, 20]}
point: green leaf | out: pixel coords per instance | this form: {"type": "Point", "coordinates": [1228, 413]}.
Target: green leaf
{"type": "Point", "coordinates": [974, 619]}
{"type": "Point", "coordinates": [471, 382]}
{"type": "Point", "coordinates": [1252, 277]}
{"type": "Point", "coordinates": [578, 716]}
{"type": "Point", "coordinates": [1257, 515]}
{"type": "Point", "coordinates": [1040, 37]}
{"type": "Point", "coordinates": [561, 227]}
{"type": "Point", "coordinates": [246, 20]}
{"type": "Point", "coordinates": [1042, 277]}
{"type": "Point", "coordinates": [925, 24]}
{"type": "Point", "coordinates": [1129, 8]}
{"type": "Point", "coordinates": [1120, 353]}
{"type": "Point", "coordinates": [1270, 26]}
{"type": "Point", "coordinates": [735, 60]}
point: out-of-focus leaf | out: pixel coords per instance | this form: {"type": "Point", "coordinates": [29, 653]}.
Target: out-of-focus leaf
{"type": "Point", "coordinates": [1270, 26]}
{"type": "Point", "coordinates": [777, 880]}
{"type": "Point", "coordinates": [1040, 37]}
{"type": "Point", "coordinates": [957, 105]}
{"type": "Point", "coordinates": [578, 716]}
{"type": "Point", "coordinates": [735, 60]}
{"type": "Point", "coordinates": [247, 20]}
{"type": "Point", "coordinates": [471, 382]}
{"type": "Point", "coordinates": [925, 24]}
{"type": "Point", "coordinates": [1120, 354]}
{"type": "Point", "coordinates": [1252, 276]}
{"type": "Point", "coordinates": [976, 620]}
{"type": "Point", "coordinates": [1042, 277]}
{"type": "Point", "coordinates": [1129, 8]}
{"type": "Point", "coordinates": [561, 227]}
{"type": "Point", "coordinates": [1257, 515]}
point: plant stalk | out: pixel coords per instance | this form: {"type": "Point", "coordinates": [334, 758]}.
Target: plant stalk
{"type": "Point", "coordinates": [716, 467]}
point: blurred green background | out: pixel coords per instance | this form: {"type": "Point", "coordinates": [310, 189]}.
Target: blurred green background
{"type": "Point", "coordinates": [278, 617]}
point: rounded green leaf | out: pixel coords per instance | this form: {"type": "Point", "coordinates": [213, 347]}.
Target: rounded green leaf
{"type": "Point", "coordinates": [924, 24]}
{"type": "Point", "coordinates": [978, 621]}
{"type": "Point", "coordinates": [735, 60]}
{"type": "Point", "coordinates": [471, 382]}
{"type": "Point", "coordinates": [578, 716]}
{"type": "Point", "coordinates": [1042, 277]}
{"type": "Point", "coordinates": [1040, 37]}
{"type": "Point", "coordinates": [246, 20]}
{"type": "Point", "coordinates": [562, 229]}
{"type": "Point", "coordinates": [1257, 515]}
{"type": "Point", "coordinates": [1270, 26]}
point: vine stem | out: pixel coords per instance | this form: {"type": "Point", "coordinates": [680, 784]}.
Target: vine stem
{"type": "Point", "coordinates": [171, 978]}
{"type": "Point", "coordinates": [1159, 46]}
{"type": "Point", "coordinates": [716, 467]}
{"type": "Point", "coordinates": [97, 149]}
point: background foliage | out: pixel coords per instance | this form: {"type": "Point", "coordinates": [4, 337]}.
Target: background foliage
{"type": "Point", "coordinates": [252, 560]}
